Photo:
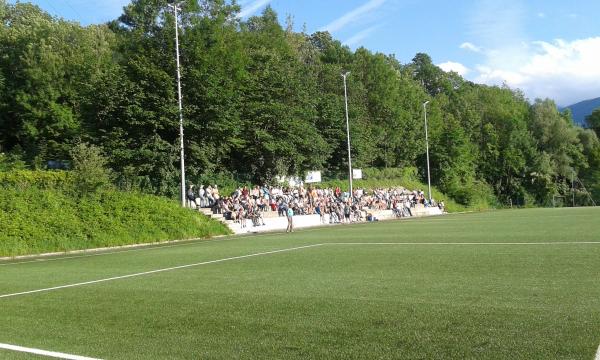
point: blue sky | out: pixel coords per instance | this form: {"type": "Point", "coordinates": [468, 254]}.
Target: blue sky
{"type": "Point", "coordinates": [547, 48]}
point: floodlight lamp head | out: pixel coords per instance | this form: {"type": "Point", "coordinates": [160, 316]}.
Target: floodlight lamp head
{"type": "Point", "coordinates": [346, 74]}
{"type": "Point", "coordinates": [425, 103]}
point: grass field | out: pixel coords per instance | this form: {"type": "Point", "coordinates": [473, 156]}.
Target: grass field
{"type": "Point", "coordinates": [521, 284]}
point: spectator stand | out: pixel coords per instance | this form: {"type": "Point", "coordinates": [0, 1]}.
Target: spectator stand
{"type": "Point", "coordinates": [263, 208]}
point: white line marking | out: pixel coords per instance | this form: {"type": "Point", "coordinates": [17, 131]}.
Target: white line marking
{"type": "Point", "coordinates": [157, 271]}
{"type": "Point", "coordinates": [142, 247]}
{"type": "Point", "coordinates": [44, 352]}
{"type": "Point", "coordinates": [138, 247]}
{"type": "Point", "coordinates": [38, 260]}
{"type": "Point", "coordinates": [292, 249]}
{"type": "Point", "coordinates": [470, 243]}
{"type": "Point", "coordinates": [597, 354]}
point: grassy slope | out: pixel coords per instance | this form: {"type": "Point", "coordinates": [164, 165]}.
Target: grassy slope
{"type": "Point", "coordinates": [338, 302]}
{"type": "Point", "coordinates": [37, 221]}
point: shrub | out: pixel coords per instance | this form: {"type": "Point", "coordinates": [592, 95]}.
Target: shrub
{"type": "Point", "coordinates": [48, 220]}
{"type": "Point", "coordinates": [24, 179]}
{"type": "Point", "coordinates": [10, 162]}
{"type": "Point", "coordinates": [89, 168]}
{"type": "Point", "coordinates": [475, 195]}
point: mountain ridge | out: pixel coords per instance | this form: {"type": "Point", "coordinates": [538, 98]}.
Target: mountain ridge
{"type": "Point", "coordinates": [582, 109]}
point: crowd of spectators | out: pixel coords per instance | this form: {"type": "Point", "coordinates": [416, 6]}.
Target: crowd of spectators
{"type": "Point", "coordinates": [333, 205]}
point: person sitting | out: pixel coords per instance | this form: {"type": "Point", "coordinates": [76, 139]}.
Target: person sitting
{"type": "Point", "coordinates": [258, 218]}
{"type": "Point", "coordinates": [225, 210]}
{"type": "Point", "coordinates": [282, 207]}
{"type": "Point", "coordinates": [218, 206]}
{"type": "Point", "coordinates": [371, 218]}
{"type": "Point", "coordinates": [262, 202]}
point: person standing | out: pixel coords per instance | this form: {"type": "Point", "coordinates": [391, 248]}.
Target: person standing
{"type": "Point", "coordinates": [190, 197]}
{"type": "Point", "coordinates": [290, 219]}
{"type": "Point", "coordinates": [347, 212]}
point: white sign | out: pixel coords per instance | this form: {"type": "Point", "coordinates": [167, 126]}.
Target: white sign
{"type": "Point", "coordinates": [313, 177]}
{"type": "Point", "coordinates": [357, 173]}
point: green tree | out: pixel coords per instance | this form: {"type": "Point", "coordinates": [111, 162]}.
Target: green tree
{"type": "Point", "coordinates": [89, 168]}
{"type": "Point", "coordinates": [46, 62]}
{"type": "Point", "coordinates": [560, 150]}
{"type": "Point", "coordinates": [279, 130]}
{"type": "Point", "coordinates": [593, 121]}
{"type": "Point", "coordinates": [215, 68]}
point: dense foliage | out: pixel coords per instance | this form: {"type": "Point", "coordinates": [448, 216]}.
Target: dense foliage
{"type": "Point", "coordinates": [261, 100]}
{"type": "Point", "coordinates": [38, 215]}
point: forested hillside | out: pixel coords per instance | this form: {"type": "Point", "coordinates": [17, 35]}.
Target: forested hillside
{"type": "Point", "coordinates": [262, 100]}
{"type": "Point", "coordinates": [583, 109]}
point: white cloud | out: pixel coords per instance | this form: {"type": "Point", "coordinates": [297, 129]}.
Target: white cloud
{"type": "Point", "coordinates": [471, 47]}
{"type": "Point", "coordinates": [252, 7]}
{"type": "Point", "coordinates": [360, 36]}
{"type": "Point", "coordinates": [565, 71]}
{"type": "Point", "coordinates": [352, 16]}
{"type": "Point", "coordinates": [458, 68]}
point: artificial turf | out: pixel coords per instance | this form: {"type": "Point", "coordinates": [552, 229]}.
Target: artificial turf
{"type": "Point", "coordinates": [450, 300]}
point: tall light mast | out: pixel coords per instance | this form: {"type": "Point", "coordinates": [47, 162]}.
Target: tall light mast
{"type": "Point", "coordinates": [176, 8]}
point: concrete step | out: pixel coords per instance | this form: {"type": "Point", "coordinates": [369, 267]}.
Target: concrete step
{"type": "Point", "coordinates": [269, 214]}
{"type": "Point", "coordinates": [206, 211]}
{"type": "Point", "coordinates": [426, 211]}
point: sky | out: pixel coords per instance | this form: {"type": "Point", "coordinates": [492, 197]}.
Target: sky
{"type": "Point", "coordinates": [546, 48]}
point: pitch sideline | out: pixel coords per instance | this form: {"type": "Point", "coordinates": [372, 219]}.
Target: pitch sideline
{"type": "Point", "coordinates": [470, 243]}
{"type": "Point", "coordinates": [157, 271]}
{"type": "Point", "coordinates": [53, 354]}
{"type": "Point", "coordinates": [137, 247]}
{"type": "Point", "coordinates": [123, 249]}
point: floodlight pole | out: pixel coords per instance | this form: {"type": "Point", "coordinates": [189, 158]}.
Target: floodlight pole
{"type": "Point", "coordinates": [348, 134]}
{"type": "Point", "coordinates": [175, 8]}
{"type": "Point", "coordinates": [427, 149]}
